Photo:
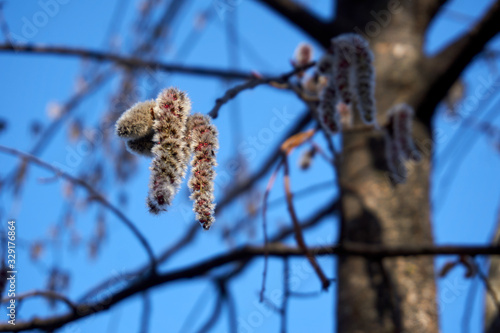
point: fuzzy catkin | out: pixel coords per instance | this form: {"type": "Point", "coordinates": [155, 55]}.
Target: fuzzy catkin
{"type": "Point", "coordinates": [143, 145]}
{"type": "Point", "coordinates": [327, 111]}
{"type": "Point", "coordinates": [402, 115]}
{"type": "Point", "coordinates": [348, 64]}
{"type": "Point", "coordinates": [325, 65]}
{"type": "Point", "coordinates": [364, 79]}
{"type": "Point", "coordinates": [399, 142]}
{"type": "Point", "coordinates": [170, 154]}
{"type": "Point", "coordinates": [137, 121]}
{"type": "Point", "coordinates": [395, 162]}
{"type": "Point", "coordinates": [303, 54]}
{"type": "Point", "coordinates": [343, 52]}
{"type": "Point", "coordinates": [204, 143]}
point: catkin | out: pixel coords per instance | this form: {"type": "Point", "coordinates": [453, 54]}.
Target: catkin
{"type": "Point", "coordinates": [327, 112]}
{"type": "Point", "coordinates": [143, 145]}
{"type": "Point", "coordinates": [364, 79]}
{"type": "Point", "coordinates": [137, 121]}
{"type": "Point", "coordinates": [204, 143]}
{"type": "Point", "coordinates": [170, 154]}
{"type": "Point", "coordinates": [403, 115]}
{"type": "Point", "coordinates": [399, 142]}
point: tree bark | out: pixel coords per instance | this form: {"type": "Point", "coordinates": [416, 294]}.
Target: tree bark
{"type": "Point", "coordinates": [387, 295]}
{"type": "Point", "coordinates": [492, 316]}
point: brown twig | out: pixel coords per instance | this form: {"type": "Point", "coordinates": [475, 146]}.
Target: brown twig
{"type": "Point", "coordinates": [278, 201]}
{"type": "Point", "coordinates": [264, 226]}
{"type": "Point", "coordinates": [252, 83]}
{"type": "Point", "coordinates": [299, 237]}
{"type": "Point", "coordinates": [131, 62]}
{"type": "Point", "coordinates": [487, 284]}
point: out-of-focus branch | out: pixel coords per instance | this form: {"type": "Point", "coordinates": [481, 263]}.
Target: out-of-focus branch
{"type": "Point", "coordinates": [189, 237]}
{"type": "Point", "coordinates": [131, 62]}
{"type": "Point", "coordinates": [243, 254]}
{"type": "Point", "coordinates": [429, 10]}
{"type": "Point", "coordinates": [444, 69]}
{"type": "Point", "coordinates": [42, 293]}
{"type": "Point", "coordinates": [299, 237]}
{"type": "Point", "coordinates": [301, 17]}
{"type": "Point", "coordinates": [95, 195]}
{"type": "Point", "coordinates": [244, 185]}
{"type": "Point", "coordinates": [252, 83]}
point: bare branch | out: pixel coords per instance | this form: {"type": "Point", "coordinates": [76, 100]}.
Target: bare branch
{"type": "Point", "coordinates": [444, 69]}
{"type": "Point", "coordinates": [131, 62]}
{"type": "Point", "coordinates": [247, 253]}
{"type": "Point", "coordinates": [146, 312]}
{"type": "Point", "coordinates": [286, 294]}
{"type": "Point", "coordinates": [264, 226]}
{"type": "Point", "coordinates": [305, 20]}
{"type": "Point", "coordinates": [42, 293]}
{"type": "Point", "coordinates": [299, 237]}
{"type": "Point", "coordinates": [488, 286]}
{"type": "Point", "coordinates": [95, 195]}
{"type": "Point", "coordinates": [252, 83]}
{"type": "Point", "coordinates": [244, 185]}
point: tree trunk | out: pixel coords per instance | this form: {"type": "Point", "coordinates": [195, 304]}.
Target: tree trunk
{"type": "Point", "coordinates": [492, 319]}
{"type": "Point", "coordinates": [392, 294]}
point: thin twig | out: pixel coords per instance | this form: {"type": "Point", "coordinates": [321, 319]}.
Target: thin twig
{"type": "Point", "coordinates": [42, 293]}
{"type": "Point", "coordinates": [286, 294]}
{"type": "Point", "coordinates": [131, 62]}
{"type": "Point", "coordinates": [487, 284]}
{"type": "Point", "coordinates": [305, 294]}
{"type": "Point", "coordinates": [93, 193]}
{"type": "Point", "coordinates": [212, 320]}
{"type": "Point", "coordinates": [146, 313]}
{"type": "Point", "coordinates": [308, 190]}
{"type": "Point", "coordinates": [231, 312]}
{"type": "Point", "coordinates": [264, 226]}
{"type": "Point", "coordinates": [243, 254]}
{"type": "Point", "coordinates": [252, 83]}
{"type": "Point", "coordinates": [321, 213]}
{"type": "Point", "coordinates": [198, 306]}
{"type": "Point", "coordinates": [4, 27]}
{"type": "Point", "coordinates": [299, 237]}
{"type": "Point", "coordinates": [469, 306]}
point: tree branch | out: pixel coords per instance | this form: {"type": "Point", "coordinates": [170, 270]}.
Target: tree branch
{"type": "Point", "coordinates": [305, 20]}
{"type": "Point", "coordinates": [429, 10]}
{"type": "Point", "coordinates": [42, 293]}
{"type": "Point", "coordinates": [95, 195]}
{"type": "Point", "coordinates": [131, 62]}
{"type": "Point", "coordinates": [244, 185]}
{"type": "Point", "coordinates": [252, 83]}
{"type": "Point", "coordinates": [444, 69]}
{"type": "Point", "coordinates": [247, 253]}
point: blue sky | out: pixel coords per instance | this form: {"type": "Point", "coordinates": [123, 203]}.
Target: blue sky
{"type": "Point", "coordinates": [464, 209]}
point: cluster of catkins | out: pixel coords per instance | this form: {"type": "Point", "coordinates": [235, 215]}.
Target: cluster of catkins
{"type": "Point", "coordinates": [348, 65]}
{"type": "Point", "coordinates": [165, 130]}
{"type": "Point", "coordinates": [399, 146]}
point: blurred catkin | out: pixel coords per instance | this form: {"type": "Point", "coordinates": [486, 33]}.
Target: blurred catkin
{"type": "Point", "coordinates": [348, 65]}
{"type": "Point", "coordinates": [399, 141]}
